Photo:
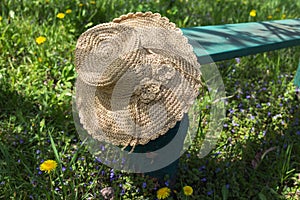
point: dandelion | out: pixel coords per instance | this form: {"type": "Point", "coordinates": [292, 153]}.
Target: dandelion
{"type": "Point", "coordinates": [187, 190]}
{"type": "Point", "coordinates": [163, 193]}
{"type": "Point", "coordinates": [283, 16]}
{"type": "Point", "coordinates": [80, 5]}
{"type": "Point", "coordinates": [93, 2]}
{"type": "Point", "coordinates": [252, 13]}
{"type": "Point", "coordinates": [40, 40]}
{"type": "Point", "coordinates": [48, 165]}
{"type": "Point", "coordinates": [270, 17]}
{"type": "Point", "coordinates": [1, 18]}
{"type": "Point", "coordinates": [60, 15]}
{"type": "Point", "coordinates": [68, 11]}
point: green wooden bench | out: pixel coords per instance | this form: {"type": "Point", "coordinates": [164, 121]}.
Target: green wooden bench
{"type": "Point", "coordinates": [223, 42]}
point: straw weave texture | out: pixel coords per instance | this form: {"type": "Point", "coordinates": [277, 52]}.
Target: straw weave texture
{"type": "Point", "coordinates": [137, 76]}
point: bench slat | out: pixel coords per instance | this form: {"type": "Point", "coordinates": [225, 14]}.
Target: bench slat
{"type": "Point", "coordinates": [297, 77]}
{"type": "Point", "coordinates": [222, 42]}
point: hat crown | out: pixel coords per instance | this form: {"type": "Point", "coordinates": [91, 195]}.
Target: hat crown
{"type": "Point", "coordinates": [137, 77]}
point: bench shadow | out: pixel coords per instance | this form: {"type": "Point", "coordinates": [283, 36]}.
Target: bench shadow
{"type": "Point", "coordinates": [245, 166]}
{"type": "Point", "coordinates": [258, 165]}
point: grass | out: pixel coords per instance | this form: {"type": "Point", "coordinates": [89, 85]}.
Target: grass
{"type": "Point", "coordinates": [257, 156]}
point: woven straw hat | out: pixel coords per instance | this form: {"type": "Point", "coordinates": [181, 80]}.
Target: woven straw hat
{"type": "Point", "coordinates": [137, 76]}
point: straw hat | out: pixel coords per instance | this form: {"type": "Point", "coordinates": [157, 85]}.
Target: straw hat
{"type": "Point", "coordinates": [137, 76]}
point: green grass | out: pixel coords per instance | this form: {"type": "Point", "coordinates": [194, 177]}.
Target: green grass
{"type": "Point", "coordinates": [257, 156]}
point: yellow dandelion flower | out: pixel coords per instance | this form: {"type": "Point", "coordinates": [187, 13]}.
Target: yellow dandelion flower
{"type": "Point", "coordinates": [1, 18]}
{"type": "Point", "coordinates": [40, 40]}
{"type": "Point", "coordinates": [80, 5]}
{"type": "Point", "coordinates": [68, 11]}
{"type": "Point", "coordinates": [252, 13]}
{"type": "Point", "coordinates": [92, 2]}
{"type": "Point", "coordinates": [40, 59]}
{"type": "Point", "coordinates": [163, 193]}
{"type": "Point", "coordinates": [283, 16]}
{"type": "Point", "coordinates": [187, 190]}
{"type": "Point", "coordinates": [270, 17]}
{"type": "Point", "coordinates": [48, 165]}
{"type": "Point", "coordinates": [60, 15]}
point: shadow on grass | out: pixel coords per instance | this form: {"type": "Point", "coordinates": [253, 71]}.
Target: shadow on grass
{"type": "Point", "coordinates": [254, 168]}
{"type": "Point", "coordinates": [15, 114]}
{"type": "Point", "coordinates": [24, 128]}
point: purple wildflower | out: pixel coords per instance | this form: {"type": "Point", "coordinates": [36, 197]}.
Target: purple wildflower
{"type": "Point", "coordinates": [144, 185]}
{"type": "Point", "coordinates": [112, 175]}
{"type": "Point", "coordinates": [258, 105]}
{"type": "Point", "coordinates": [167, 183]}
{"type": "Point", "coordinates": [122, 192]}
{"type": "Point", "coordinates": [218, 170]}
